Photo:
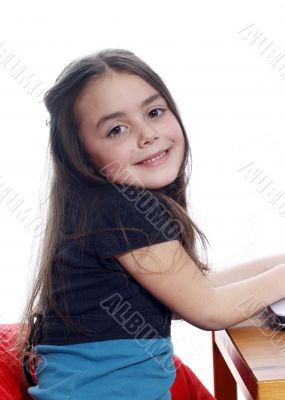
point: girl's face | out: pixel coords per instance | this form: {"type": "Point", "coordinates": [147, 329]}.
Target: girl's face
{"type": "Point", "coordinates": [139, 128]}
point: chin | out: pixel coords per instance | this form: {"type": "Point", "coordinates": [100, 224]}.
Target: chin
{"type": "Point", "coordinates": [159, 184]}
{"type": "Point", "coordinates": [151, 182]}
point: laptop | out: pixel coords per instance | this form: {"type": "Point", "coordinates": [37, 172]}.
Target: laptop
{"type": "Point", "coordinates": [277, 309]}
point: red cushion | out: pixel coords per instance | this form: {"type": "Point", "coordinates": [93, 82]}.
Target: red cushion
{"type": "Point", "coordinates": [185, 387]}
{"type": "Point", "coordinates": [10, 366]}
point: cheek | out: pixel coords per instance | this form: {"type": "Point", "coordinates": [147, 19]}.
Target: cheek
{"type": "Point", "coordinates": [110, 155]}
{"type": "Point", "coordinates": [115, 162]}
{"type": "Point", "coordinates": [174, 131]}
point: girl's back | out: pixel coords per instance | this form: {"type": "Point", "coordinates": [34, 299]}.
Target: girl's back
{"type": "Point", "coordinates": [124, 331]}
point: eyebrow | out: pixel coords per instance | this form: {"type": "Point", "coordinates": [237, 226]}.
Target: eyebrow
{"type": "Point", "coordinates": [121, 113]}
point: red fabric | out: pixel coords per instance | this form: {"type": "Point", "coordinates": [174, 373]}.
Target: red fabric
{"type": "Point", "coordinates": [10, 366]}
{"type": "Point", "coordinates": [186, 385]}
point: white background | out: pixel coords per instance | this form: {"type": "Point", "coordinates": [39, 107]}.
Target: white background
{"type": "Point", "coordinates": [229, 95]}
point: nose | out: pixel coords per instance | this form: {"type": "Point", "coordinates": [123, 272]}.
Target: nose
{"type": "Point", "coordinates": [147, 135]}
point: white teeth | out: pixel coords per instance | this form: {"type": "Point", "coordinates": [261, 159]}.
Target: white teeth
{"type": "Point", "coordinates": [155, 158]}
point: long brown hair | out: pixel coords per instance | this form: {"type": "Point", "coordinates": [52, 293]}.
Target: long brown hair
{"type": "Point", "coordinates": [73, 175]}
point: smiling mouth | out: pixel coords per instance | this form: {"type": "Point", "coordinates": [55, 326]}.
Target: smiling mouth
{"type": "Point", "coordinates": [156, 160]}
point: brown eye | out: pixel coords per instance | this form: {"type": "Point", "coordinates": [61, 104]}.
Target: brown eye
{"type": "Point", "coordinates": [113, 132]}
{"type": "Point", "coordinates": [155, 109]}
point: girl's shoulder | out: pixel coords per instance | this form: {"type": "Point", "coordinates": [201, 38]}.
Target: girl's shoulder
{"type": "Point", "coordinates": [119, 195]}
{"type": "Point", "coordinates": [136, 197]}
{"type": "Point", "coordinates": [130, 206]}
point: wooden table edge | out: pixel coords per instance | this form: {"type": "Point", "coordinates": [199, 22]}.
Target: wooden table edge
{"type": "Point", "coordinates": [236, 364]}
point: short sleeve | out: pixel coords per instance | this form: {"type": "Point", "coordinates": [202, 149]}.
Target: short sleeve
{"type": "Point", "coordinates": [130, 218]}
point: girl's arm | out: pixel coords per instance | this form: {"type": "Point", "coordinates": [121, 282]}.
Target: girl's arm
{"type": "Point", "coordinates": [241, 300]}
{"type": "Point", "coordinates": [168, 273]}
{"type": "Point", "coordinates": [241, 271]}
{"type": "Point", "coordinates": [245, 270]}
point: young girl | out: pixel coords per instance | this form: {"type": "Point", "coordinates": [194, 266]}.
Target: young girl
{"type": "Point", "coordinates": [119, 257]}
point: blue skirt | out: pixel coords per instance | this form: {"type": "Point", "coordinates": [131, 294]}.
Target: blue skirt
{"type": "Point", "coordinates": [120, 369]}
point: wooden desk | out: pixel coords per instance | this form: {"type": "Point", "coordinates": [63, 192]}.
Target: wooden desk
{"type": "Point", "coordinates": [252, 355]}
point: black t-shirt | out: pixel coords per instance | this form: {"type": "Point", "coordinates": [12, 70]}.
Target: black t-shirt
{"type": "Point", "coordinates": [97, 293]}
